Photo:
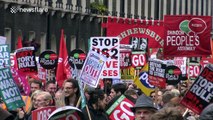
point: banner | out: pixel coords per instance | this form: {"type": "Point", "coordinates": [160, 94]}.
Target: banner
{"type": "Point", "coordinates": [42, 113]}
{"type": "Point", "coordinates": [143, 83]}
{"type": "Point", "coordinates": [157, 71]}
{"type": "Point", "coordinates": [92, 69]}
{"type": "Point", "coordinates": [108, 46]}
{"type": "Point", "coordinates": [187, 35]}
{"type": "Point", "coordinates": [4, 55]}
{"type": "Point", "coordinates": [200, 94]}
{"type": "Point", "coordinates": [125, 29]}
{"type": "Point", "coordinates": [119, 108]}
{"type": "Point", "coordinates": [26, 60]}
{"type": "Point", "coordinates": [9, 91]}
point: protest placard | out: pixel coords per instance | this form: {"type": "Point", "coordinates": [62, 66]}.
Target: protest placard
{"type": "Point", "coordinates": [119, 108]}
{"type": "Point", "coordinates": [4, 55]}
{"type": "Point", "coordinates": [9, 91]}
{"type": "Point", "coordinates": [157, 70]}
{"type": "Point", "coordinates": [42, 113]}
{"type": "Point", "coordinates": [26, 60]}
{"type": "Point", "coordinates": [92, 68]}
{"type": "Point", "coordinates": [108, 46]}
{"type": "Point", "coordinates": [200, 94]}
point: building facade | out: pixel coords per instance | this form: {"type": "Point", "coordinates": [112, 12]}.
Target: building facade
{"type": "Point", "coordinates": [42, 20]}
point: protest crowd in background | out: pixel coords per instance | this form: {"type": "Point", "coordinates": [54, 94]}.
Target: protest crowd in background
{"type": "Point", "coordinates": [116, 80]}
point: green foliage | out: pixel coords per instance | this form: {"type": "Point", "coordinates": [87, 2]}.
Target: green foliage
{"type": "Point", "coordinates": [97, 7]}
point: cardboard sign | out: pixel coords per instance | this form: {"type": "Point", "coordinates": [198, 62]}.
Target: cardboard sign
{"type": "Point", "coordinates": [141, 28]}
{"type": "Point", "coordinates": [26, 60]}
{"type": "Point", "coordinates": [193, 70]}
{"type": "Point", "coordinates": [173, 75]}
{"type": "Point", "coordinates": [187, 35]}
{"type": "Point", "coordinates": [125, 59]}
{"type": "Point", "coordinates": [157, 70]}
{"type": "Point", "coordinates": [200, 94]}
{"type": "Point", "coordinates": [139, 44]}
{"type": "Point", "coordinates": [181, 63]}
{"type": "Point", "coordinates": [108, 46]}
{"type": "Point", "coordinates": [92, 68]}
{"type": "Point", "coordinates": [4, 55]}
{"type": "Point", "coordinates": [138, 60]}
{"type": "Point", "coordinates": [48, 59]}
{"type": "Point", "coordinates": [42, 113]}
{"type": "Point", "coordinates": [2, 40]}
{"type": "Point", "coordinates": [77, 57]}
{"type": "Point", "coordinates": [127, 73]}
{"type": "Point", "coordinates": [120, 109]}
{"type": "Point", "coordinates": [9, 91]}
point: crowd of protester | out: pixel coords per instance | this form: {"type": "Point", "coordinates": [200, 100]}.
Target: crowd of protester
{"type": "Point", "coordinates": [161, 104]}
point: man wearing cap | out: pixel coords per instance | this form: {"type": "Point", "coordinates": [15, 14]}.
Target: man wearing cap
{"type": "Point", "coordinates": [144, 108]}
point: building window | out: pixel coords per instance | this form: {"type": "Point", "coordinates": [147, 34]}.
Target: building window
{"type": "Point", "coordinates": [43, 41]}
{"type": "Point", "coordinates": [73, 42]}
{"type": "Point", "coordinates": [31, 35]}
{"type": "Point", "coordinates": [53, 43]}
{"type": "Point", "coordinates": [7, 34]}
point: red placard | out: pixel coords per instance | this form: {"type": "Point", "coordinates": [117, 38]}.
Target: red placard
{"type": "Point", "coordinates": [42, 113]}
{"type": "Point", "coordinates": [138, 60]}
{"type": "Point", "coordinates": [157, 71]}
{"type": "Point", "coordinates": [200, 93]}
{"type": "Point", "coordinates": [120, 109]}
{"type": "Point", "coordinates": [187, 35]}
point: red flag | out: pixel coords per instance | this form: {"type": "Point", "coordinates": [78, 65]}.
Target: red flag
{"type": "Point", "coordinates": [19, 44]}
{"type": "Point", "coordinates": [63, 69]}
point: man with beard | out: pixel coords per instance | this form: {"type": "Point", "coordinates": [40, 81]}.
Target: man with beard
{"type": "Point", "coordinates": [96, 105]}
{"type": "Point", "coordinates": [71, 92]}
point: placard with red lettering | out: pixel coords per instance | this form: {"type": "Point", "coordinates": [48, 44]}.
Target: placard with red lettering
{"type": "Point", "coordinates": [108, 46]}
{"type": "Point", "coordinates": [26, 60]}
{"type": "Point", "coordinates": [138, 60]}
{"type": "Point", "coordinates": [157, 72]}
{"type": "Point", "coordinates": [42, 113]}
{"type": "Point", "coordinates": [181, 63]}
{"type": "Point", "coordinates": [193, 70]}
{"type": "Point", "coordinates": [187, 35]}
{"type": "Point", "coordinates": [119, 108]}
{"type": "Point", "coordinates": [92, 68]}
{"type": "Point", "coordinates": [200, 94]}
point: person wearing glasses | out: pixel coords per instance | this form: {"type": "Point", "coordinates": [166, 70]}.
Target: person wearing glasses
{"type": "Point", "coordinates": [71, 92]}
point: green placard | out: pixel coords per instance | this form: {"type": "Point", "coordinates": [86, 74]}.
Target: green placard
{"type": "Point", "coordinates": [4, 55]}
{"type": "Point", "coordinates": [9, 91]}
